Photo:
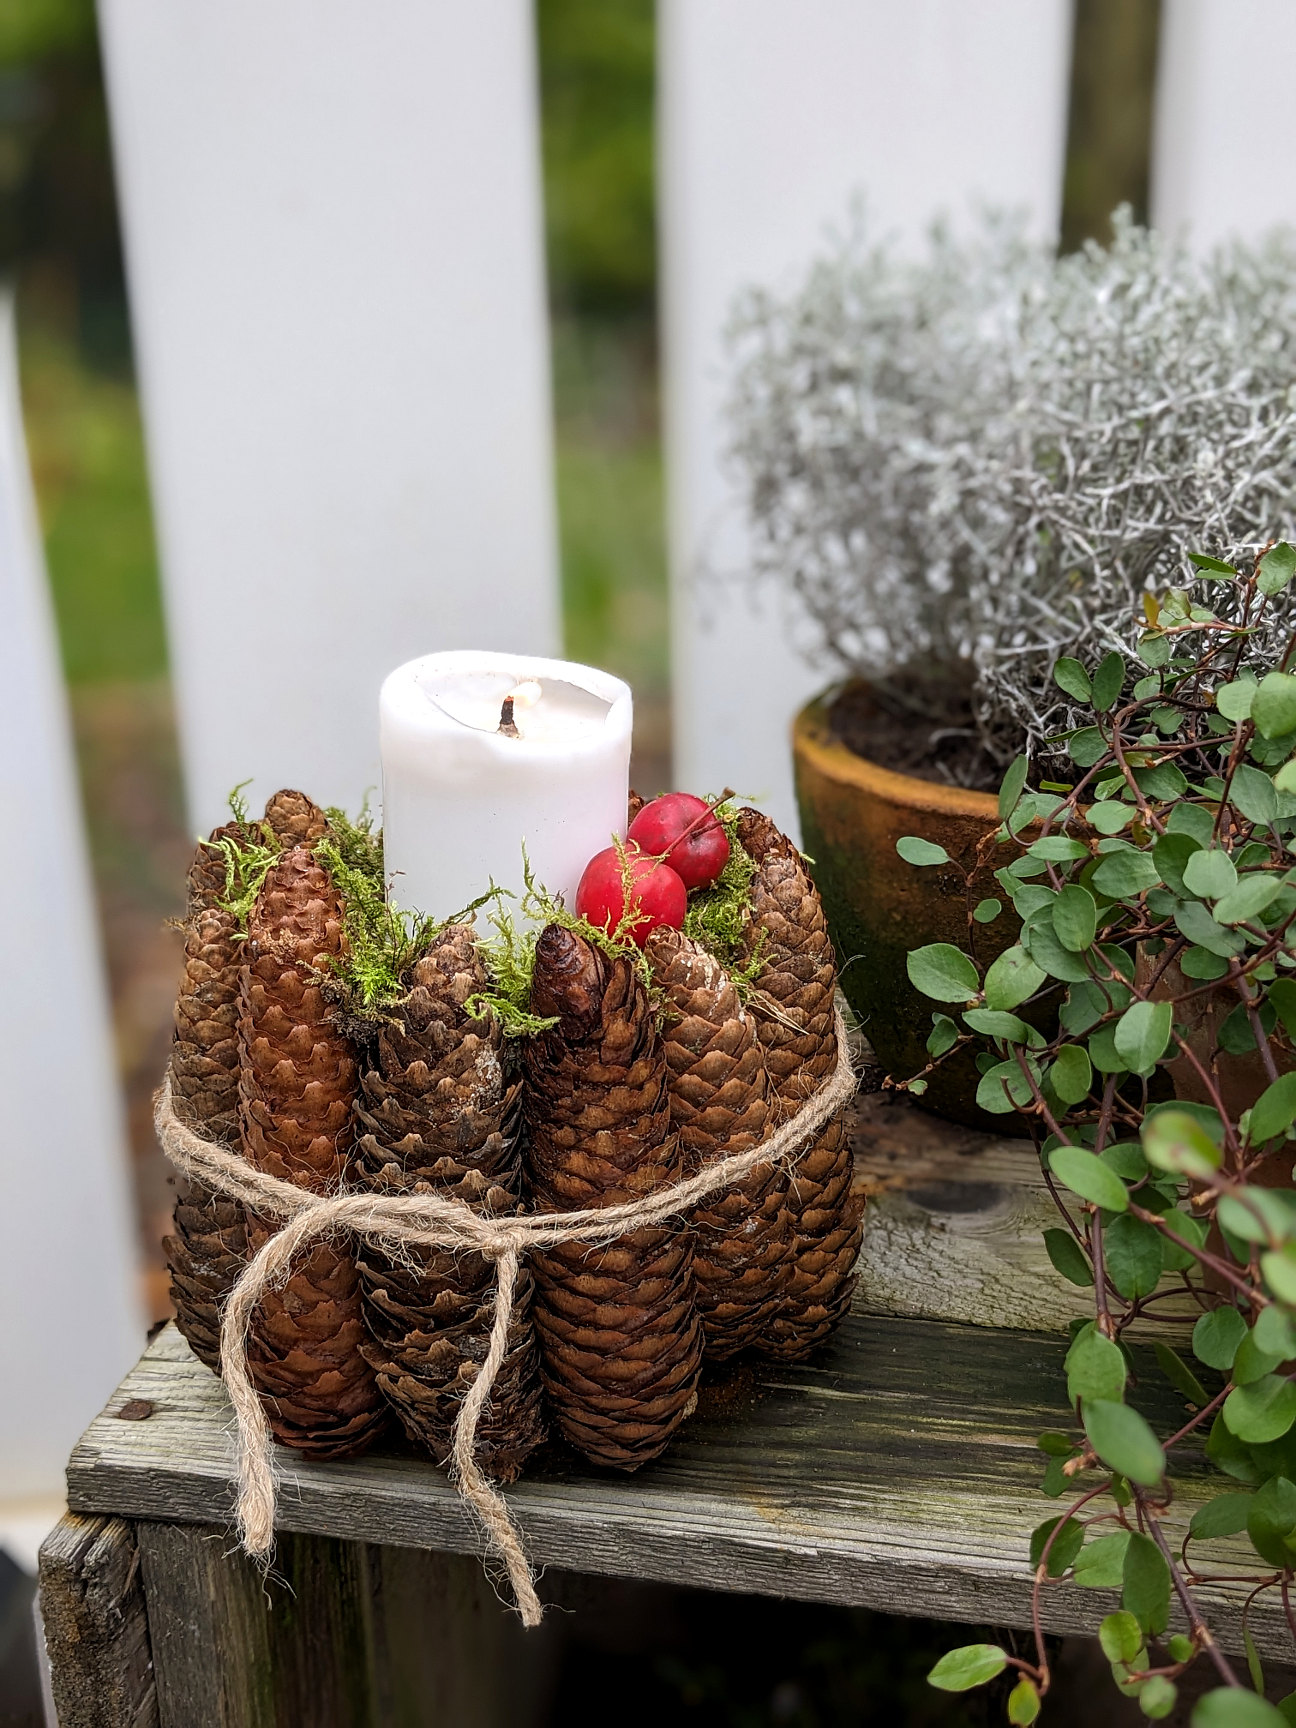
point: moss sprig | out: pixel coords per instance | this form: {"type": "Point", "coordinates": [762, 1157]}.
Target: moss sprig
{"type": "Point", "coordinates": [382, 941]}
{"type": "Point", "coordinates": [718, 916]}
{"type": "Point", "coordinates": [248, 854]}
{"type": "Point", "coordinates": [510, 963]}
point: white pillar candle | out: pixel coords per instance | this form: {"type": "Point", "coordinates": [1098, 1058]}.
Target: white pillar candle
{"type": "Point", "coordinates": [462, 794]}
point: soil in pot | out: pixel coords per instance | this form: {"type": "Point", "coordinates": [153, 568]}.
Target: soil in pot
{"type": "Point", "coordinates": [853, 810]}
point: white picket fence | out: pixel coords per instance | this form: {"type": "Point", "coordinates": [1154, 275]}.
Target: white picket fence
{"type": "Point", "coordinates": [333, 234]}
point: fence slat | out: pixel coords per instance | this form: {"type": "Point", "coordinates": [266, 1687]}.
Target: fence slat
{"type": "Point", "coordinates": [1220, 166]}
{"type": "Point", "coordinates": [772, 113]}
{"type": "Point", "coordinates": [334, 248]}
{"type": "Point", "coordinates": [69, 1255]}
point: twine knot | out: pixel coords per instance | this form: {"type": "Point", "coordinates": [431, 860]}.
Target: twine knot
{"type": "Point", "coordinates": [434, 1221]}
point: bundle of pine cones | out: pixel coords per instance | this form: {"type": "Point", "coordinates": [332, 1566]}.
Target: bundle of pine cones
{"type": "Point", "coordinates": [626, 1090]}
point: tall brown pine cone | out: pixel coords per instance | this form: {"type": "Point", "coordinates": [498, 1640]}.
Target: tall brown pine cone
{"type": "Point", "coordinates": [206, 878]}
{"type": "Point", "coordinates": [296, 1091]}
{"type": "Point", "coordinates": [720, 1106]}
{"type": "Point", "coordinates": [209, 1247]}
{"type": "Point", "coordinates": [440, 1109]}
{"type": "Point", "coordinates": [798, 1033]}
{"type": "Point", "coordinates": [620, 1335]}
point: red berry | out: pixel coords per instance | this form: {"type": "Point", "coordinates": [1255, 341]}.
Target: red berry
{"type": "Point", "coordinates": [656, 893]}
{"type": "Point", "coordinates": [683, 830]}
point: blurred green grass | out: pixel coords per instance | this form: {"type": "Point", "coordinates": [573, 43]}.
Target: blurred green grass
{"type": "Point", "coordinates": [87, 453]}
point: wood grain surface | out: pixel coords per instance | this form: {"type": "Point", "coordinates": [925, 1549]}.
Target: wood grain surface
{"type": "Point", "coordinates": [887, 1475]}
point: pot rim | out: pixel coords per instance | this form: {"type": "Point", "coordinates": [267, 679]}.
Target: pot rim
{"type": "Point", "coordinates": [813, 739]}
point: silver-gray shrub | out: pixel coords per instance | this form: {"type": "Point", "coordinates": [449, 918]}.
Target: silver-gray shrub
{"type": "Point", "coordinates": [986, 455]}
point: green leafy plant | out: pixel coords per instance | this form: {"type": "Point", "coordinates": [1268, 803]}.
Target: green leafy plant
{"type": "Point", "coordinates": [1143, 1023]}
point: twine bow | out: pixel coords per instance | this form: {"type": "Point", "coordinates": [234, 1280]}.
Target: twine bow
{"type": "Point", "coordinates": [430, 1220]}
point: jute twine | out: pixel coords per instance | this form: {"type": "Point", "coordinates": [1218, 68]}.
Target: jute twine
{"type": "Point", "coordinates": [393, 1221]}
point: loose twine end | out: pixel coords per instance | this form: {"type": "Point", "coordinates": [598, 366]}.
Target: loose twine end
{"type": "Point", "coordinates": [430, 1220]}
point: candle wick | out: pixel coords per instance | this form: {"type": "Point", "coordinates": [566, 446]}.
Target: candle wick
{"type": "Point", "coordinates": [506, 724]}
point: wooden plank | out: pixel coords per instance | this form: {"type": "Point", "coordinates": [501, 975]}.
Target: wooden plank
{"type": "Point", "coordinates": [956, 1225]}
{"type": "Point", "coordinates": [898, 1472]}
{"type": "Point", "coordinates": [340, 1635]}
{"type": "Point", "coordinates": [96, 1629]}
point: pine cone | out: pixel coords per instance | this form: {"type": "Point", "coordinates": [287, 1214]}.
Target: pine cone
{"type": "Point", "coordinates": [206, 878]}
{"type": "Point", "coordinates": [440, 1110]}
{"type": "Point", "coordinates": [209, 1247]}
{"type": "Point", "coordinates": [294, 819]}
{"type": "Point", "coordinates": [620, 1335]}
{"type": "Point", "coordinates": [296, 1092]}
{"type": "Point", "coordinates": [798, 1034]}
{"type": "Point", "coordinates": [720, 1106]}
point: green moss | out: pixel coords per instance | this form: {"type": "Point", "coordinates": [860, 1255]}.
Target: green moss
{"type": "Point", "coordinates": [248, 854]}
{"type": "Point", "coordinates": [382, 941]}
{"type": "Point", "coordinates": [718, 916]}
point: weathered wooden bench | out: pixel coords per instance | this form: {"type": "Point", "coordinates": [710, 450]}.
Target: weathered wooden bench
{"type": "Point", "coordinates": [898, 1472]}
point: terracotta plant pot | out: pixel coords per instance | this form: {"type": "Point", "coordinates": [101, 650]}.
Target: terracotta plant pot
{"type": "Point", "coordinates": [879, 907]}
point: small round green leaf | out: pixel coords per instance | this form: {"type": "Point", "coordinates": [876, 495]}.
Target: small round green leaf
{"type": "Point", "coordinates": [1101, 1564]}
{"type": "Point", "coordinates": [943, 1035]}
{"type": "Point", "coordinates": [970, 1665]}
{"type": "Point", "coordinates": [1265, 1410]}
{"type": "Point", "coordinates": [1142, 1033]}
{"type": "Point", "coordinates": [1088, 1177]}
{"type": "Point", "coordinates": [1109, 816]}
{"type": "Point", "coordinates": [1063, 1547]}
{"type": "Point", "coordinates": [1124, 875]}
{"type": "Point", "coordinates": [1233, 1707]}
{"type": "Point", "coordinates": [1252, 792]}
{"type": "Point", "coordinates": [1012, 978]}
{"type": "Point", "coordinates": [1234, 700]}
{"type": "Point", "coordinates": [1075, 917]}
{"type": "Point", "coordinates": [987, 910]}
{"type": "Point", "coordinates": [1157, 1697]}
{"type": "Point", "coordinates": [915, 850]}
{"type": "Point", "coordinates": [1279, 1268]}
{"type": "Point", "coordinates": [1173, 1140]}
{"type": "Point", "coordinates": [1274, 1111]}
{"type": "Point", "coordinates": [1068, 1257]}
{"type": "Point", "coordinates": [1271, 1520]}
{"type": "Point", "coordinates": [1070, 675]}
{"type": "Point", "coordinates": [1121, 1637]}
{"type": "Point", "coordinates": [1225, 1515]}
{"type": "Point", "coordinates": [995, 1023]}
{"type": "Point", "coordinates": [1003, 1089]}
{"type": "Point", "coordinates": [1132, 1254]}
{"type": "Point", "coordinates": [1253, 894]}
{"type": "Point", "coordinates": [1146, 1590]}
{"type": "Point", "coordinates": [1023, 1703]}
{"type": "Point", "coordinates": [1071, 1073]}
{"type": "Point", "coordinates": [1124, 1442]}
{"type": "Point", "coordinates": [1216, 1337]}
{"type": "Point", "coordinates": [1276, 568]}
{"type": "Point", "coordinates": [1107, 682]}
{"type": "Point", "coordinates": [943, 972]}
{"type": "Point", "coordinates": [1095, 1367]}
{"type": "Point", "coordinates": [1210, 874]}
{"type": "Point", "coordinates": [1274, 706]}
